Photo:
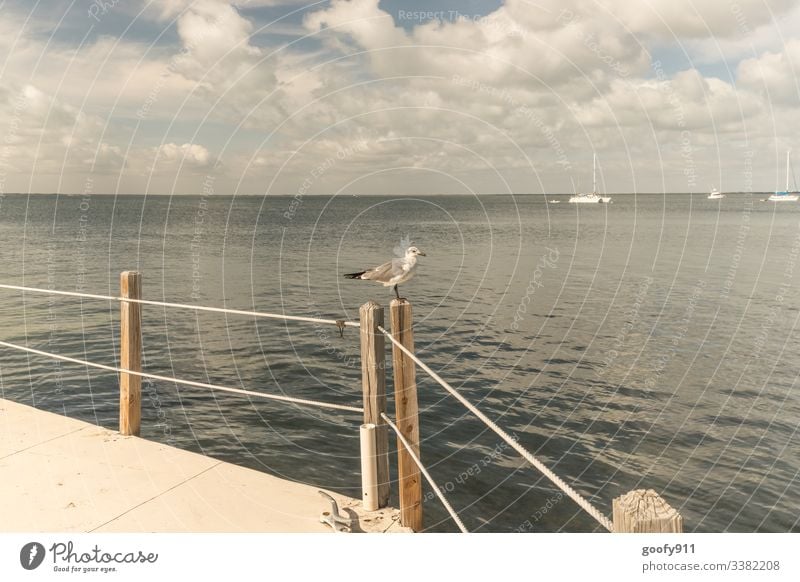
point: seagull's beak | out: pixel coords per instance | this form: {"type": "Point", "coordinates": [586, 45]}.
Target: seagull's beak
{"type": "Point", "coordinates": [421, 254]}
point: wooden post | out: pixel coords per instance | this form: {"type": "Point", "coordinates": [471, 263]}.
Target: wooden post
{"type": "Point", "coordinates": [373, 383]}
{"type": "Point", "coordinates": [130, 354]}
{"type": "Point", "coordinates": [645, 511]}
{"type": "Point", "coordinates": [407, 414]}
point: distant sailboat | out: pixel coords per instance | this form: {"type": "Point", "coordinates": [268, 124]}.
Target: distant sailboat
{"type": "Point", "coordinates": [594, 197]}
{"type": "Point", "coordinates": [715, 194]}
{"type": "Point", "coordinates": [786, 195]}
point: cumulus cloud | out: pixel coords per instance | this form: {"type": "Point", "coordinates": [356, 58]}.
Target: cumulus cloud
{"type": "Point", "coordinates": [528, 88]}
{"type": "Point", "coordinates": [687, 101]}
{"type": "Point", "coordinates": [516, 44]}
{"type": "Point", "coordinates": [193, 155]}
{"type": "Point", "coordinates": [775, 75]}
{"type": "Point", "coordinates": [684, 19]}
{"type": "Point", "coordinates": [559, 76]}
{"type": "Point", "coordinates": [214, 34]}
{"type": "Point", "coordinates": [44, 134]}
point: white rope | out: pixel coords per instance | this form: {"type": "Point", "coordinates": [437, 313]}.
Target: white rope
{"type": "Point", "coordinates": [558, 481]}
{"type": "Point", "coordinates": [433, 484]}
{"type": "Point", "coordinates": [186, 306]}
{"type": "Point", "coordinates": [54, 292]}
{"type": "Point", "coordinates": [301, 401]}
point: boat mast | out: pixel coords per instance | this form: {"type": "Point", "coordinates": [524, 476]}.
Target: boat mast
{"type": "Point", "coordinates": [787, 169]}
{"type": "Point", "coordinates": [594, 174]}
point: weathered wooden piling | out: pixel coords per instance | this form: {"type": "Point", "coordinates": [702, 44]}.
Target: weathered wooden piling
{"type": "Point", "coordinates": [130, 354]}
{"type": "Point", "coordinates": [407, 415]}
{"type": "Point", "coordinates": [373, 382]}
{"type": "Point", "coordinates": [645, 511]}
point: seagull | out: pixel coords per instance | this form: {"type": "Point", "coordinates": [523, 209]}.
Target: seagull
{"type": "Point", "coordinates": [392, 273]}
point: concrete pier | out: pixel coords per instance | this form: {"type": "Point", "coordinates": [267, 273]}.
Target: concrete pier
{"type": "Point", "coordinates": [58, 474]}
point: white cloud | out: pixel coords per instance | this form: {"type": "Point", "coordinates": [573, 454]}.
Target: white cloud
{"type": "Point", "coordinates": [775, 75]}
{"type": "Point", "coordinates": [684, 19]}
{"type": "Point", "coordinates": [527, 86]}
{"type": "Point", "coordinates": [194, 155]}
{"type": "Point", "coordinates": [688, 102]}
{"type": "Point", "coordinates": [515, 44]}
{"type": "Point", "coordinates": [212, 31]}
{"type": "Point", "coordinates": [46, 134]}
{"type": "Point", "coordinates": [752, 40]}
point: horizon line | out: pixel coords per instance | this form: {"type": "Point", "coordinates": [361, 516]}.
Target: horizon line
{"type": "Point", "coordinates": [248, 195]}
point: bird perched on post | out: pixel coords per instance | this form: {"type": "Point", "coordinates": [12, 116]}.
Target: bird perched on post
{"type": "Point", "coordinates": [394, 272]}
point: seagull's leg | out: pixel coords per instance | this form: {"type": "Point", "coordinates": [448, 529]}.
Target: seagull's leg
{"type": "Point", "coordinates": [396, 292]}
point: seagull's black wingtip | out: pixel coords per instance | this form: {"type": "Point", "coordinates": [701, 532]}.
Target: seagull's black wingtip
{"type": "Point", "coordinates": [354, 275]}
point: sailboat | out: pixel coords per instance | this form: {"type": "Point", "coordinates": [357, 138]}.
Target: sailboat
{"type": "Point", "coordinates": [594, 197]}
{"type": "Point", "coordinates": [786, 195]}
{"type": "Point", "coordinates": [715, 194]}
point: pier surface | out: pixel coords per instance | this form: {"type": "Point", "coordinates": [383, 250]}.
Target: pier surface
{"type": "Point", "coordinates": [64, 475]}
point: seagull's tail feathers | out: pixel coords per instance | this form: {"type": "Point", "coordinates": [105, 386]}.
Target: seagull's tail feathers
{"type": "Point", "coordinates": [354, 275]}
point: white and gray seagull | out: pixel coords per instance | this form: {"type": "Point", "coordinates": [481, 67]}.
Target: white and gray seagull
{"type": "Point", "coordinates": [394, 272]}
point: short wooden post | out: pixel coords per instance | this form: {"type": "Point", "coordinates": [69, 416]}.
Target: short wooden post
{"type": "Point", "coordinates": [373, 382]}
{"type": "Point", "coordinates": [407, 414]}
{"type": "Point", "coordinates": [130, 354]}
{"type": "Point", "coordinates": [645, 511]}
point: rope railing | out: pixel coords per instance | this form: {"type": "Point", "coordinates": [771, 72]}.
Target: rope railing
{"type": "Point", "coordinates": [424, 471]}
{"type": "Point", "coordinates": [260, 314]}
{"type": "Point", "coordinates": [278, 397]}
{"type": "Point", "coordinates": [639, 510]}
{"type": "Point", "coordinates": [582, 502]}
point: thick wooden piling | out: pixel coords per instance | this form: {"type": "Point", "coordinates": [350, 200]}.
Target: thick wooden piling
{"type": "Point", "coordinates": [645, 511]}
{"type": "Point", "coordinates": [130, 354]}
{"type": "Point", "coordinates": [407, 415]}
{"type": "Point", "coordinates": [373, 382]}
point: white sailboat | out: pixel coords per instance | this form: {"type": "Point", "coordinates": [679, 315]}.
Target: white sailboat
{"type": "Point", "coordinates": [594, 197]}
{"type": "Point", "coordinates": [715, 194]}
{"type": "Point", "coordinates": [786, 195]}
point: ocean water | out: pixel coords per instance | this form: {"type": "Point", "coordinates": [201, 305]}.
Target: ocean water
{"type": "Point", "coordinates": [649, 343]}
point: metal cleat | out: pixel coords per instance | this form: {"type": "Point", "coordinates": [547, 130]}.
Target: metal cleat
{"type": "Point", "coordinates": [333, 518]}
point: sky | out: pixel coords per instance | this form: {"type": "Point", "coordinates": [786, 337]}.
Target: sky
{"type": "Point", "coordinates": [280, 97]}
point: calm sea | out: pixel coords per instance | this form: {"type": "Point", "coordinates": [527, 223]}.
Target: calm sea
{"type": "Point", "coordinates": [649, 343]}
